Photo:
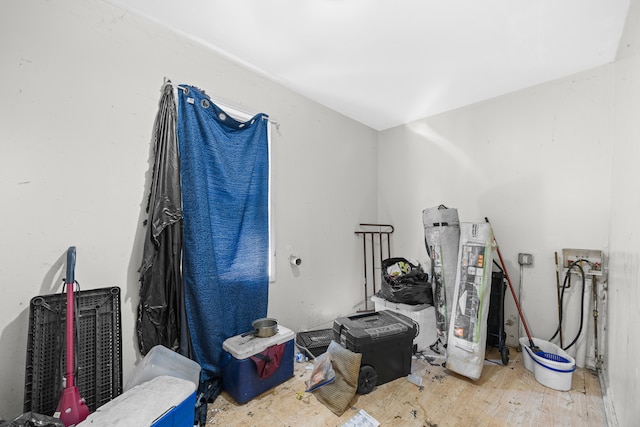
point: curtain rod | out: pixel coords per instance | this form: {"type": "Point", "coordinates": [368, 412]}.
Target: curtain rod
{"type": "Point", "coordinates": [227, 104]}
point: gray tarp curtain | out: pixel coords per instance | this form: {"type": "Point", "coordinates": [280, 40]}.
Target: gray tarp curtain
{"type": "Point", "coordinates": [161, 308]}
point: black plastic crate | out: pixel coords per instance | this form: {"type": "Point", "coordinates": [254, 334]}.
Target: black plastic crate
{"type": "Point", "coordinates": [316, 342]}
{"type": "Point", "coordinates": [98, 342]}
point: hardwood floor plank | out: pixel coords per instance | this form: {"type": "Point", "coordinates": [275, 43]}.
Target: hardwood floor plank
{"type": "Point", "coordinates": [502, 396]}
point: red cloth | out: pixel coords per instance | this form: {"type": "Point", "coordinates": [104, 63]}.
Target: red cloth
{"type": "Point", "coordinates": [268, 361]}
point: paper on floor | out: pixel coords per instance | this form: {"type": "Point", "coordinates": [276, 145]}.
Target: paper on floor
{"type": "Point", "coordinates": [362, 419]}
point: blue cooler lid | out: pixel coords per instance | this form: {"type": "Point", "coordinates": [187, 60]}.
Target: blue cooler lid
{"type": "Point", "coordinates": [242, 347]}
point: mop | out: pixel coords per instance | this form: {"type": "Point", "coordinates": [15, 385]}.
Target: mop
{"type": "Point", "coordinates": [534, 348]}
{"type": "Point", "coordinates": [72, 409]}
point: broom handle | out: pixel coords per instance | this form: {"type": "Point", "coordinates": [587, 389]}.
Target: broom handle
{"type": "Point", "coordinates": [506, 274]}
{"type": "Point", "coordinates": [70, 280]}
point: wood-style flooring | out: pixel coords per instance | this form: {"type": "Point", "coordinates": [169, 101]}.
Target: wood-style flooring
{"type": "Point", "coordinates": [503, 396]}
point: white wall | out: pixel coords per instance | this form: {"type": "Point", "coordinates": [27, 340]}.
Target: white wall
{"type": "Point", "coordinates": [81, 82]}
{"type": "Point", "coordinates": [535, 162]}
{"type": "Point", "coordinates": [553, 166]}
{"type": "Point", "coordinates": [623, 346]}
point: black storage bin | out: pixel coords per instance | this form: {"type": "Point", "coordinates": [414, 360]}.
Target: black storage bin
{"type": "Point", "coordinates": [385, 340]}
{"type": "Point", "coordinates": [316, 342]}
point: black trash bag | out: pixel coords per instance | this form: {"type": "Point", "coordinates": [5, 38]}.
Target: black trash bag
{"type": "Point", "coordinates": [405, 282]}
{"type": "Point", "coordinates": [208, 391]}
{"type": "Point", "coordinates": [32, 419]}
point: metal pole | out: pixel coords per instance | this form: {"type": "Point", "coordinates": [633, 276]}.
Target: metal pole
{"type": "Point", "coordinates": [364, 255]}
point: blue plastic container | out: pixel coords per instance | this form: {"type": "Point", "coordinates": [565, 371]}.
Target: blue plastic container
{"type": "Point", "coordinates": [164, 401]}
{"type": "Point", "coordinates": [240, 376]}
{"type": "Point", "coordinates": [179, 416]}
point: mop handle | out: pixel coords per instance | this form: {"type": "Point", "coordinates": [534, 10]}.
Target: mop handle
{"type": "Point", "coordinates": [70, 280]}
{"type": "Point", "coordinates": [515, 299]}
{"type": "Point", "coordinates": [71, 265]}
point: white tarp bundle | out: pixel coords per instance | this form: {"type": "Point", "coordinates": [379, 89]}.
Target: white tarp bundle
{"type": "Point", "coordinates": [442, 237]}
{"type": "Point", "coordinates": [468, 325]}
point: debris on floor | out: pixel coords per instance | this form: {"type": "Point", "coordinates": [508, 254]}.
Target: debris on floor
{"type": "Point", "coordinates": [362, 419]}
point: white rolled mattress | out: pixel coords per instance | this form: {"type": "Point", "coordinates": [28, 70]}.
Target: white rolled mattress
{"type": "Point", "coordinates": [468, 324]}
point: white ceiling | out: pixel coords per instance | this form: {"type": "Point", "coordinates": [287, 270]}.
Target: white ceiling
{"type": "Point", "coordinates": [388, 62]}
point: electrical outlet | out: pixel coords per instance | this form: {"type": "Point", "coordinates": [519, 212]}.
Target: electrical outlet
{"type": "Point", "coordinates": [525, 259]}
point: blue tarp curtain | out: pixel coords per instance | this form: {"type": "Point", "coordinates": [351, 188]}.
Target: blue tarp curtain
{"type": "Point", "coordinates": [224, 170]}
